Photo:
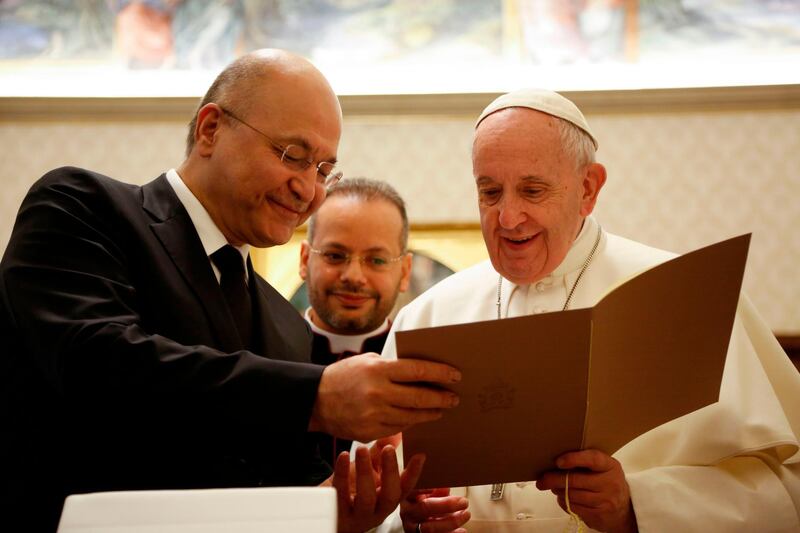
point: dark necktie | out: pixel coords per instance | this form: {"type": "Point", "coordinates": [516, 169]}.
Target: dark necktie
{"type": "Point", "coordinates": [232, 281]}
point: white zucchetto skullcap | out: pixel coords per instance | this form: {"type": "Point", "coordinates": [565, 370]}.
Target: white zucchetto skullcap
{"type": "Point", "coordinates": [542, 100]}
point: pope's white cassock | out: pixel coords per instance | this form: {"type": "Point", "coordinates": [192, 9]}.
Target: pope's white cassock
{"type": "Point", "coordinates": [729, 467]}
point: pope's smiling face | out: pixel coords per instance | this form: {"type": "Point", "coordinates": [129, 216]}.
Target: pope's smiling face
{"type": "Point", "coordinates": [531, 195]}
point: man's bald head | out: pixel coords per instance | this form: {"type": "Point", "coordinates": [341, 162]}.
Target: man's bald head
{"type": "Point", "coordinates": [241, 84]}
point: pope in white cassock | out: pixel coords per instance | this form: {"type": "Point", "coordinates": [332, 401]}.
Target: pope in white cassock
{"type": "Point", "coordinates": [732, 466]}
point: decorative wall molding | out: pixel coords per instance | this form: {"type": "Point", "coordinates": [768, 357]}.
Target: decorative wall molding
{"type": "Point", "coordinates": [465, 104]}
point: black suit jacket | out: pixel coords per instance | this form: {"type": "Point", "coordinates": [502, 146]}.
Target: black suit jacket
{"type": "Point", "coordinates": [121, 366]}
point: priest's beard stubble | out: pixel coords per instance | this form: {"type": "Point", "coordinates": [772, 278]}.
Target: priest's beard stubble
{"type": "Point", "coordinates": [348, 324]}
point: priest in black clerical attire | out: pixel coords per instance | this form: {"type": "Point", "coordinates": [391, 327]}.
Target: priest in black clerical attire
{"type": "Point", "coordinates": [355, 264]}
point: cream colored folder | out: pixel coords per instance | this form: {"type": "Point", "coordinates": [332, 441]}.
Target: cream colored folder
{"type": "Point", "coordinates": [534, 387]}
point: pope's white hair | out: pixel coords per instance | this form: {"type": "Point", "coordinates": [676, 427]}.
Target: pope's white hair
{"type": "Point", "coordinates": [576, 143]}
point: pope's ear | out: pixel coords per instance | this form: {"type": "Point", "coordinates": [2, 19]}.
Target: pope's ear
{"type": "Point", "coordinates": [304, 253]}
{"type": "Point", "coordinates": [209, 119]}
{"type": "Point", "coordinates": [594, 177]}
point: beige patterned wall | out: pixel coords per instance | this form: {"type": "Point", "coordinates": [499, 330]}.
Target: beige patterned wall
{"type": "Point", "coordinates": [677, 180]}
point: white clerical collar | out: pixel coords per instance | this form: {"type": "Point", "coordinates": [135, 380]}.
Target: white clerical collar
{"type": "Point", "coordinates": [580, 249]}
{"type": "Point", "coordinates": [210, 235]}
{"type": "Point", "coordinates": [346, 343]}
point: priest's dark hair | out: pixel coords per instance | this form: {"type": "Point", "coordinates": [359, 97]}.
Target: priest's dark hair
{"type": "Point", "coordinates": [366, 190]}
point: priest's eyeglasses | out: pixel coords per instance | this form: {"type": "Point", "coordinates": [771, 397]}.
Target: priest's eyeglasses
{"type": "Point", "coordinates": [296, 157]}
{"type": "Point", "coordinates": [372, 261]}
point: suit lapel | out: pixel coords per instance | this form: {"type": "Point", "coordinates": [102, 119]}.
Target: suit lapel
{"type": "Point", "coordinates": [177, 234]}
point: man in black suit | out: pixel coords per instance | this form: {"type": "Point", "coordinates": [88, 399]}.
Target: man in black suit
{"type": "Point", "coordinates": [143, 352]}
{"type": "Point", "coordinates": [355, 263]}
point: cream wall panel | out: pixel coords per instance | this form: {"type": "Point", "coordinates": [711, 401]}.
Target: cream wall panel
{"type": "Point", "coordinates": [134, 152]}
{"type": "Point", "coordinates": [680, 182]}
{"type": "Point", "coordinates": [426, 159]}
{"type": "Point", "coordinates": [676, 181]}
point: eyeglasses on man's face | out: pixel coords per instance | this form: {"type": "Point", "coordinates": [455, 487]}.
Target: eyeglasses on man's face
{"type": "Point", "coordinates": [296, 157]}
{"type": "Point", "coordinates": [373, 261]}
